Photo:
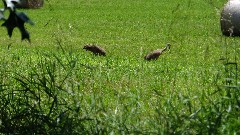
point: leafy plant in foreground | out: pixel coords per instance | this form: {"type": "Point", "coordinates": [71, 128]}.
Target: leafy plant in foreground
{"type": "Point", "coordinates": [37, 105]}
{"type": "Point", "coordinates": [15, 19]}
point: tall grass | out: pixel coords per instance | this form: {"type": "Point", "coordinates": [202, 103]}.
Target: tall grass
{"type": "Point", "coordinates": [54, 87]}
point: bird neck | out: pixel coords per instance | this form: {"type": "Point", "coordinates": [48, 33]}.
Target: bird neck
{"type": "Point", "coordinates": [165, 48]}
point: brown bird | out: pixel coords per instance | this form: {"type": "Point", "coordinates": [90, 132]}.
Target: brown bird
{"type": "Point", "coordinates": [95, 50]}
{"type": "Point", "coordinates": [156, 53]}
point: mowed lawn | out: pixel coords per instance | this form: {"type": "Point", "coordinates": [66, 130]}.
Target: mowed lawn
{"type": "Point", "coordinates": [122, 93]}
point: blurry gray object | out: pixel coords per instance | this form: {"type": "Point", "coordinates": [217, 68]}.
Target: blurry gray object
{"type": "Point", "coordinates": [230, 18]}
{"type": "Point", "coordinates": [1, 14]}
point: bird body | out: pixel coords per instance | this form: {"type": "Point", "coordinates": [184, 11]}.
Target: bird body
{"type": "Point", "coordinates": [154, 55]}
{"type": "Point", "coordinates": [95, 50]}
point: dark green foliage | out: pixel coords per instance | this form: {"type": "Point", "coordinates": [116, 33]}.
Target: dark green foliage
{"type": "Point", "coordinates": [15, 19]}
{"type": "Point", "coordinates": [49, 100]}
{"type": "Point", "coordinates": [37, 105]}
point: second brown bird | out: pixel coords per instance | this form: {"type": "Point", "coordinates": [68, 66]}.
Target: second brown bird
{"type": "Point", "coordinates": [154, 55]}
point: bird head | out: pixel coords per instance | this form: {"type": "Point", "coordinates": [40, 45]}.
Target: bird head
{"type": "Point", "coordinates": [168, 46]}
{"type": "Point", "coordinates": [87, 47]}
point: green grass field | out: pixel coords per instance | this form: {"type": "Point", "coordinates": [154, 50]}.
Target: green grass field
{"type": "Point", "coordinates": [53, 86]}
